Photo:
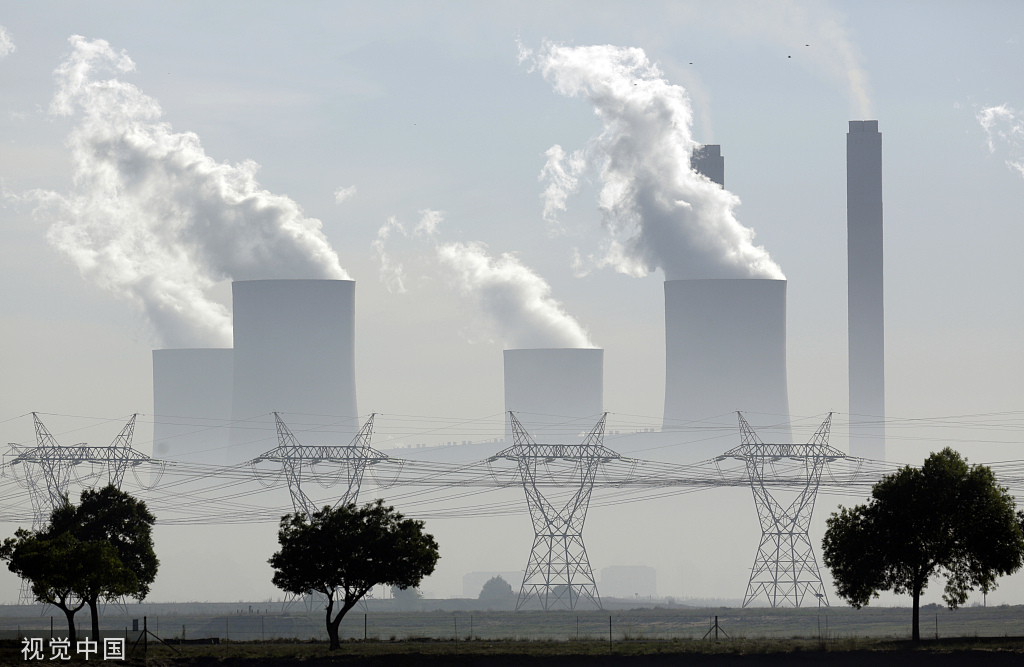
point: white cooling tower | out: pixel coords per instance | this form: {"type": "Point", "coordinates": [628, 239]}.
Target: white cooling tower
{"type": "Point", "coordinates": [865, 289]}
{"type": "Point", "coordinates": [725, 350]}
{"type": "Point", "coordinates": [294, 354]}
{"type": "Point", "coordinates": [192, 404]}
{"type": "Point", "coordinates": [556, 393]}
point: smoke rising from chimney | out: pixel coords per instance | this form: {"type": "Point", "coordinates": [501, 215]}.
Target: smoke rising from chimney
{"type": "Point", "coordinates": [516, 300]}
{"type": "Point", "coordinates": [6, 44]}
{"type": "Point", "coordinates": [658, 212]}
{"type": "Point", "coordinates": [1004, 127]}
{"type": "Point", "coordinates": [151, 217]}
{"type": "Point", "coordinates": [342, 195]}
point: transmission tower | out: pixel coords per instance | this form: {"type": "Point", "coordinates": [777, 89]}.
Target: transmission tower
{"type": "Point", "coordinates": [298, 461]}
{"type": "Point", "coordinates": [785, 568]}
{"type": "Point", "coordinates": [46, 471]}
{"type": "Point", "coordinates": [47, 467]}
{"type": "Point", "coordinates": [558, 572]}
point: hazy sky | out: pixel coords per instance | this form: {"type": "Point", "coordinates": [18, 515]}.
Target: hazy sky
{"type": "Point", "coordinates": [410, 147]}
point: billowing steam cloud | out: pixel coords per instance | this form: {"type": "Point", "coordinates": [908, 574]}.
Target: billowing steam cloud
{"type": "Point", "coordinates": [6, 44]}
{"type": "Point", "coordinates": [514, 298]}
{"type": "Point", "coordinates": [515, 303]}
{"type": "Point", "coordinates": [1004, 127]}
{"type": "Point", "coordinates": [153, 218]}
{"type": "Point", "coordinates": [659, 212]}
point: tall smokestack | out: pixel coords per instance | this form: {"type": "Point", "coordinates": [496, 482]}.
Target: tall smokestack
{"type": "Point", "coordinates": [192, 404]}
{"type": "Point", "coordinates": [864, 285]}
{"type": "Point", "coordinates": [294, 353]}
{"type": "Point", "coordinates": [725, 350]}
{"type": "Point", "coordinates": [555, 392]}
{"type": "Point", "coordinates": [709, 161]}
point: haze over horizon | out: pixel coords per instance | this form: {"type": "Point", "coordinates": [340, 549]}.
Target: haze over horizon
{"type": "Point", "coordinates": [505, 176]}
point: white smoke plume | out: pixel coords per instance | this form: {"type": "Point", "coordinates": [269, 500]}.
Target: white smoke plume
{"type": "Point", "coordinates": [563, 177]}
{"type": "Point", "coordinates": [392, 273]}
{"type": "Point", "coordinates": [341, 195]}
{"type": "Point", "coordinates": [151, 217]}
{"type": "Point", "coordinates": [659, 212]}
{"type": "Point", "coordinates": [812, 33]}
{"type": "Point", "coordinates": [516, 300]}
{"type": "Point", "coordinates": [1004, 128]}
{"type": "Point", "coordinates": [429, 221]}
{"type": "Point", "coordinates": [6, 44]}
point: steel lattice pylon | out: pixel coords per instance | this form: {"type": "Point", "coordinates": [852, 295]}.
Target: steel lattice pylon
{"type": "Point", "coordinates": [785, 568]}
{"type": "Point", "coordinates": [297, 461]}
{"type": "Point", "coordinates": [47, 468]}
{"type": "Point", "coordinates": [558, 572]}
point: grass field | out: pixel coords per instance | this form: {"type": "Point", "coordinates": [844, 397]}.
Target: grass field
{"type": "Point", "coordinates": [259, 635]}
{"type": "Point", "coordinates": [267, 622]}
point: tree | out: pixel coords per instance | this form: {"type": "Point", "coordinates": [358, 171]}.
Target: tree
{"type": "Point", "coordinates": [406, 594]}
{"type": "Point", "coordinates": [343, 552]}
{"type": "Point", "coordinates": [53, 567]}
{"type": "Point", "coordinates": [115, 518]}
{"type": "Point", "coordinates": [496, 588]}
{"type": "Point", "coordinates": [946, 518]}
{"type": "Point", "coordinates": [101, 549]}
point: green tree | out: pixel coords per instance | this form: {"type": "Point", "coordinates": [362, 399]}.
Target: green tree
{"type": "Point", "coordinates": [100, 550]}
{"type": "Point", "coordinates": [345, 551]}
{"type": "Point", "coordinates": [112, 517]}
{"type": "Point", "coordinates": [53, 567]}
{"type": "Point", "coordinates": [945, 518]}
{"type": "Point", "coordinates": [496, 588]}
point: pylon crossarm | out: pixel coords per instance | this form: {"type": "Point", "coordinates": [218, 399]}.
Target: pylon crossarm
{"type": "Point", "coordinates": [298, 461]}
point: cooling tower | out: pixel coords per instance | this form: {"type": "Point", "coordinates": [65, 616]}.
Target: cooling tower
{"type": "Point", "coordinates": [294, 354]}
{"type": "Point", "coordinates": [192, 404]}
{"type": "Point", "coordinates": [864, 289]}
{"type": "Point", "coordinates": [725, 350]}
{"type": "Point", "coordinates": [556, 393]}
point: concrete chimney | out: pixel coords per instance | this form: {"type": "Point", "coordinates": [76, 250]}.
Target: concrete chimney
{"type": "Point", "coordinates": [192, 404]}
{"type": "Point", "coordinates": [708, 161]}
{"type": "Point", "coordinates": [865, 289]}
{"type": "Point", "coordinates": [555, 392]}
{"type": "Point", "coordinates": [295, 354]}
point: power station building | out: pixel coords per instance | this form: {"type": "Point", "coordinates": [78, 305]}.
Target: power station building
{"type": "Point", "coordinates": [865, 289]}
